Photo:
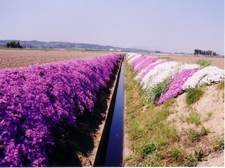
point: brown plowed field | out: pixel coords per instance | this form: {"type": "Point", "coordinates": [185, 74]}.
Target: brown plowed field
{"type": "Point", "coordinates": [19, 58]}
{"type": "Point", "coordinates": [10, 58]}
{"type": "Point", "coordinates": [216, 60]}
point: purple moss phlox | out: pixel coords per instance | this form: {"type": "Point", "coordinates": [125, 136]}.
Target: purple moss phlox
{"type": "Point", "coordinates": [36, 98]}
{"type": "Point", "coordinates": [145, 63]}
{"type": "Point", "coordinates": [175, 87]}
{"type": "Point", "coordinates": [136, 61]}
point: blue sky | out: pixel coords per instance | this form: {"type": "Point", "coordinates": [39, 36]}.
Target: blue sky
{"type": "Point", "coordinates": [165, 25]}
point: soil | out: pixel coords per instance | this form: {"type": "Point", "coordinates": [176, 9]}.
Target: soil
{"type": "Point", "coordinates": [215, 60]}
{"type": "Point", "coordinates": [19, 57]}
{"type": "Point", "coordinates": [211, 102]}
{"type": "Point", "coordinates": [11, 58]}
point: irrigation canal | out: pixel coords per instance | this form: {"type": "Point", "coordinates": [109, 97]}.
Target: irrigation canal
{"type": "Point", "coordinates": [110, 152]}
{"type": "Point", "coordinates": [115, 143]}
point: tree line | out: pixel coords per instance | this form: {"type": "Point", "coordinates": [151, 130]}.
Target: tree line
{"type": "Point", "coordinates": [13, 44]}
{"type": "Point", "coordinates": [201, 52]}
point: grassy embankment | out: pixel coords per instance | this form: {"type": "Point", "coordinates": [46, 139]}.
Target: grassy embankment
{"type": "Point", "coordinates": [156, 141]}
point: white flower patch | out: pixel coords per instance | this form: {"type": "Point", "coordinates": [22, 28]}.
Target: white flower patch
{"type": "Point", "coordinates": [135, 67]}
{"type": "Point", "coordinates": [151, 72]}
{"type": "Point", "coordinates": [160, 73]}
{"type": "Point", "coordinates": [143, 71]}
{"type": "Point", "coordinates": [145, 62]}
{"type": "Point", "coordinates": [206, 75]}
{"type": "Point", "coordinates": [189, 66]}
{"type": "Point", "coordinates": [133, 58]}
{"type": "Point", "coordinates": [181, 66]}
{"type": "Point", "coordinates": [130, 55]}
{"type": "Point", "coordinates": [140, 73]}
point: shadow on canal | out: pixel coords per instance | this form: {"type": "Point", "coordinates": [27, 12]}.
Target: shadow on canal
{"type": "Point", "coordinates": [111, 146]}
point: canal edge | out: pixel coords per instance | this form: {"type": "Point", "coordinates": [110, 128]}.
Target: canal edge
{"type": "Point", "coordinates": [99, 157]}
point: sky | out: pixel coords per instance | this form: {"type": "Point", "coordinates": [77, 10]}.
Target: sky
{"type": "Point", "coordinates": [163, 25]}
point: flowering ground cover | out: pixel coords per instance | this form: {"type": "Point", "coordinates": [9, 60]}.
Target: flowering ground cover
{"type": "Point", "coordinates": [144, 63]}
{"type": "Point", "coordinates": [41, 97]}
{"type": "Point", "coordinates": [171, 78]}
{"type": "Point", "coordinates": [173, 133]}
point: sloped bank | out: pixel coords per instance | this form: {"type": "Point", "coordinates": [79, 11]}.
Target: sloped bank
{"type": "Point", "coordinates": [45, 110]}
{"type": "Point", "coordinates": [172, 133]}
{"type": "Point", "coordinates": [110, 151]}
{"type": "Point", "coordinates": [86, 144]}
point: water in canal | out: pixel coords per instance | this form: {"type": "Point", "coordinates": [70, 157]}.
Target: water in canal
{"type": "Point", "coordinates": [115, 141]}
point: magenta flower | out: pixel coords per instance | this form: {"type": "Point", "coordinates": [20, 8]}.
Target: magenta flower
{"type": "Point", "coordinates": [136, 61]}
{"type": "Point", "coordinates": [37, 98]}
{"type": "Point", "coordinates": [147, 61]}
{"type": "Point", "coordinates": [175, 87]}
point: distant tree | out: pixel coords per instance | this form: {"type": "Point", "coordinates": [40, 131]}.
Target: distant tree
{"type": "Point", "coordinates": [208, 52]}
{"type": "Point", "coordinates": [197, 51]}
{"type": "Point", "coordinates": [13, 44]}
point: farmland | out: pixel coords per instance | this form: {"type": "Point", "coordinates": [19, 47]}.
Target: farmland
{"type": "Point", "coordinates": [18, 58]}
{"type": "Point", "coordinates": [174, 111]}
